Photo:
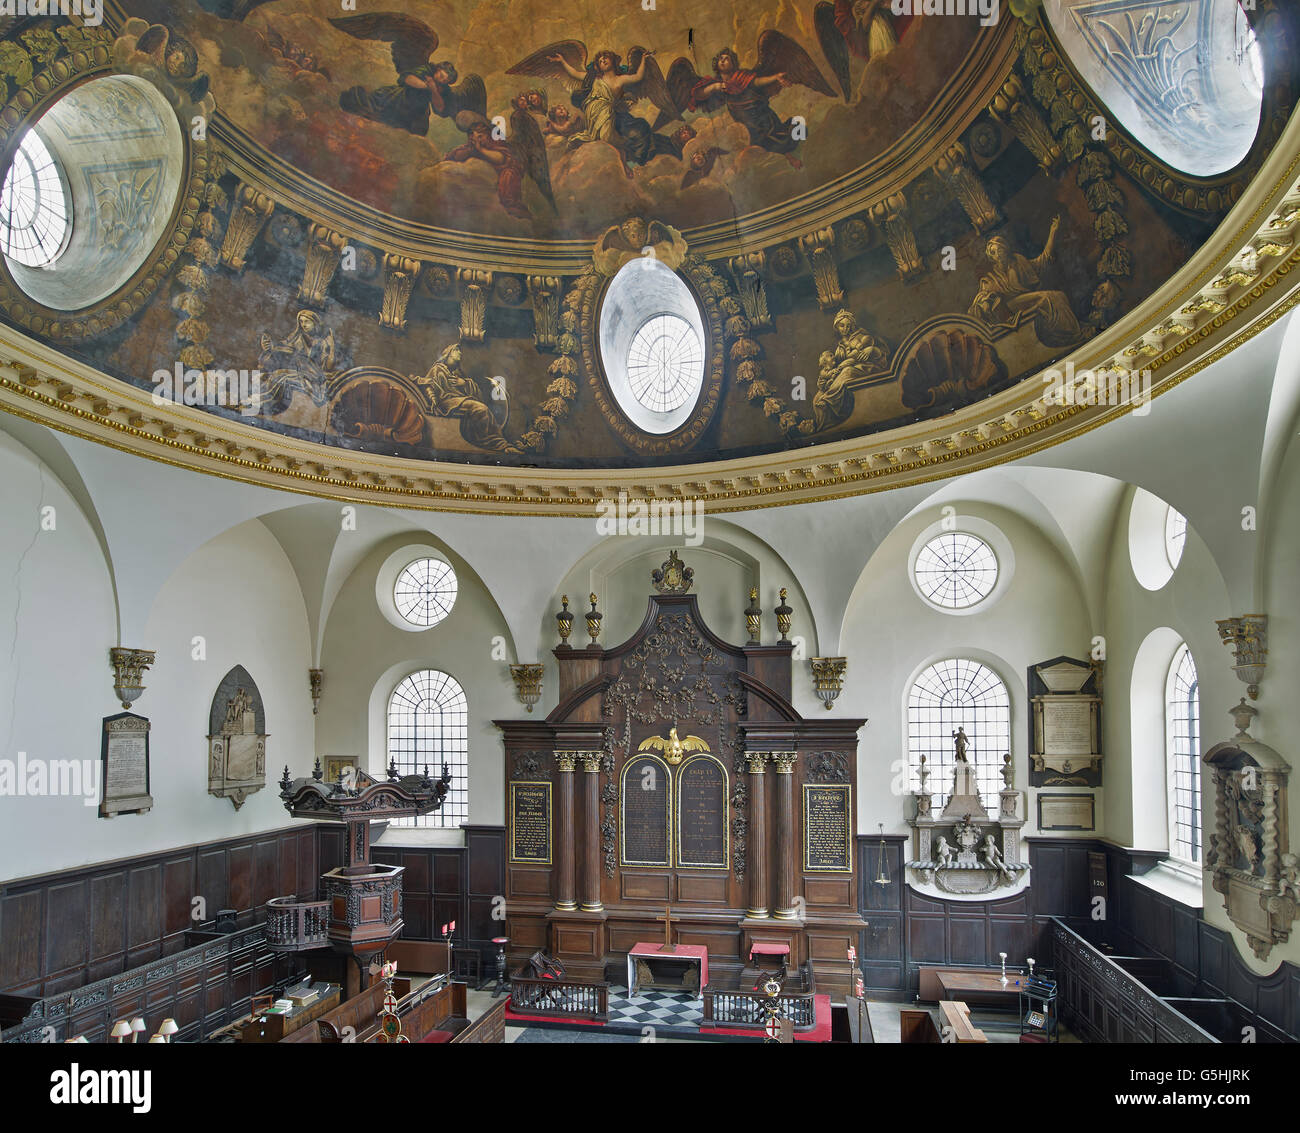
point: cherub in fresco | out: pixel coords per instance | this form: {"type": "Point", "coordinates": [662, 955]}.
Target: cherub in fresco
{"type": "Point", "coordinates": [453, 393]}
{"type": "Point", "coordinates": [561, 123]}
{"type": "Point", "coordinates": [302, 362]}
{"type": "Point", "coordinates": [605, 91]}
{"type": "Point", "coordinates": [1011, 293]}
{"type": "Point", "coordinates": [747, 92]}
{"type": "Point", "coordinates": [177, 57]}
{"type": "Point", "coordinates": [524, 154]}
{"type": "Point", "coordinates": [861, 29]}
{"type": "Point", "coordinates": [701, 165]}
{"type": "Point", "coordinates": [856, 355]}
{"type": "Point", "coordinates": [290, 57]}
{"type": "Point", "coordinates": [424, 85]}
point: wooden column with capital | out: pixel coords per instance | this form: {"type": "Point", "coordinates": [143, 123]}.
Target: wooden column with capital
{"type": "Point", "coordinates": [786, 851]}
{"type": "Point", "coordinates": [565, 762]}
{"type": "Point", "coordinates": [758, 847]}
{"type": "Point", "coordinates": [591, 902]}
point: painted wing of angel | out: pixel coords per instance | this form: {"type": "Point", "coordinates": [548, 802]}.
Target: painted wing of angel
{"type": "Point", "coordinates": [747, 92]}
{"type": "Point", "coordinates": [855, 29]}
{"type": "Point", "coordinates": [424, 86]}
{"type": "Point", "coordinates": [522, 155]}
{"type": "Point", "coordinates": [605, 90]}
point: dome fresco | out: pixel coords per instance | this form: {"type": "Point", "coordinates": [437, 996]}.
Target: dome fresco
{"type": "Point", "coordinates": [398, 229]}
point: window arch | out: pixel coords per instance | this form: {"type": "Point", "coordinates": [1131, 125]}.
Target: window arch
{"type": "Point", "coordinates": [1183, 745]}
{"type": "Point", "coordinates": [958, 692]}
{"type": "Point", "coordinates": [428, 721]}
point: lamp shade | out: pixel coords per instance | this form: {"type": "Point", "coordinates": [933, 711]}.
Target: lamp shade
{"type": "Point", "coordinates": [168, 1027]}
{"type": "Point", "coordinates": [121, 1029]}
{"type": "Point", "coordinates": [157, 1038]}
{"type": "Point", "coordinates": [137, 1024]}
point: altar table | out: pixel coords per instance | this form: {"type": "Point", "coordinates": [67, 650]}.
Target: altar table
{"type": "Point", "coordinates": [692, 953]}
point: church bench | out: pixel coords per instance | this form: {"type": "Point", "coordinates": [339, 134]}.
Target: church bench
{"type": "Point", "coordinates": [916, 1025]}
{"type": "Point", "coordinates": [957, 1026]}
{"type": "Point", "coordinates": [360, 1014]}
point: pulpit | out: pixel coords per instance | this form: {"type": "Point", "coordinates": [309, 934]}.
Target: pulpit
{"type": "Point", "coordinates": [362, 900]}
{"type": "Point", "coordinates": [675, 774]}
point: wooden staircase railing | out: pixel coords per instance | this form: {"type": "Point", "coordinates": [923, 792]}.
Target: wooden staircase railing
{"type": "Point", "coordinates": [296, 926]}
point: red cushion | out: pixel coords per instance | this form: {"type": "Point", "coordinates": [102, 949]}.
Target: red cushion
{"type": "Point", "coordinates": [438, 1037]}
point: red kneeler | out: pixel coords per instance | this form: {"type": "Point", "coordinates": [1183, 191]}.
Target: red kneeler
{"type": "Point", "coordinates": [438, 1037]}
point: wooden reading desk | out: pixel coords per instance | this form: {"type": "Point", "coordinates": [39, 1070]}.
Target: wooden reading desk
{"type": "Point", "coordinates": [975, 985]}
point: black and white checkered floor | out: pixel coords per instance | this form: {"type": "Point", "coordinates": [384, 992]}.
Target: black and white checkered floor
{"type": "Point", "coordinates": [654, 1009]}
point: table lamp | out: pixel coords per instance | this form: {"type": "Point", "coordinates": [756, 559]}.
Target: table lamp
{"type": "Point", "coordinates": [167, 1028]}
{"type": "Point", "coordinates": [137, 1028]}
{"type": "Point", "coordinates": [157, 1039]}
{"type": "Point", "coordinates": [121, 1029]}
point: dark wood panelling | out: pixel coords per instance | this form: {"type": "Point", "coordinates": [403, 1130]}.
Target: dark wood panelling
{"type": "Point", "coordinates": [63, 931]}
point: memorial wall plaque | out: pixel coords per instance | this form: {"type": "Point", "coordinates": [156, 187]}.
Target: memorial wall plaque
{"type": "Point", "coordinates": [1065, 724]}
{"type": "Point", "coordinates": [645, 811]}
{"type": "Point", "coordinates": [827, 828]}
{"type": "Point", "coordinates": [1066, 812]}
{"type": "Point", "coordinates": [124, 776]}
{"type": "Point", "coordinates": [702, 814]}
{"type": "Point", "coordinates": [530, 823]}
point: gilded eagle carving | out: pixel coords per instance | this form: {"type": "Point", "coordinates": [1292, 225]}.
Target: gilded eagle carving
{"type": "Point", "coordinates": [672, 747]}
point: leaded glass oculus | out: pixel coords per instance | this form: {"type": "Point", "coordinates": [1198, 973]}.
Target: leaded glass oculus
{"type": "Point", "coordinates": [665, 363]}
{"type": "Point", "coordinates": [425, 592]}
{"type": "Point", "coordinates": [34, 207]}
{"type": "Point", "coordinates": [956, 570]}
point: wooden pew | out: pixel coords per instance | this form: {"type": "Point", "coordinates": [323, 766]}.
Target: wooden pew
{"type": "Point", "coordinates": [917, 1026]}
{"type": "Point", "coordinates": [360, 1013]}
{"type": "Point", "coordinates": [956, 1021]}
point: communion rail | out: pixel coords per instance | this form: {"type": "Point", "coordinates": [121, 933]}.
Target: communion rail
{"type": "Point", "coordinates": [559, 999]}
{"type": "Point", "coordinates": [730, 1007]}
{"type": "Point", "coordinates": [295, 926]}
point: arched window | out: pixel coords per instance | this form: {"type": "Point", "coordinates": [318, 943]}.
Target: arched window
{"type": "Point", "coordinates": [428, 725]}
{"type": "Point", "coordinates": [1183, 739]}
{"type": "Point", "coordinates": [951, 694]}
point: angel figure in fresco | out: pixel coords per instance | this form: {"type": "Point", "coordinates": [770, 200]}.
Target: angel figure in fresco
{"type": "Point", "coordinates": [561, 123]}
{"type": "Point", "coordinates": [856, 355]}
{"type": "Point", "coordinates": [453, 393]}
{"type": "Point", "coordinates": [605, 90]}
{"type": "Point", "coordinates": [424, 85]}
{"type": "Point", "coordinates": [1012, 293]}
{"type": "Point", "coordinates": [523, 154]}
{"type": "Point", "coordinates": [856, 29]}
{"type": "Point", "coordinates": [747, 92]}
{"type": "Point", "coordinates": [701, 165]}
{"type": "Point", "coordinates": [301, 362]}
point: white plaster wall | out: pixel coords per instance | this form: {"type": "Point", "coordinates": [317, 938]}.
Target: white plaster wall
{"type": "Point", "coordinates": [890, 634]}
{"type": "Point", "coordinates": [365, 656]}
{"type": "Point", "coordinates": [56, 685]}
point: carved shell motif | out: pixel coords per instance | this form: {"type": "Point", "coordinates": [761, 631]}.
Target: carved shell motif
{"type": "Point", "coordinates": [377, 411]}
{"type": "Point", "coordinates": [950, 368]}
